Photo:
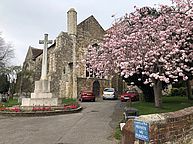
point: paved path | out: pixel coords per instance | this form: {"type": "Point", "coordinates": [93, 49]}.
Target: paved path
{"type": "Point", "coordinates": [94, 125]}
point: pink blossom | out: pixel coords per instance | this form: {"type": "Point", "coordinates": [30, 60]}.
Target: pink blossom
{"type": "Point", "coordinates": [158, 46]}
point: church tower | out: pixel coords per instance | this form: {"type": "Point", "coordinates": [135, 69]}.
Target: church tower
{"type": "Point", "coordinates": [72, 22]}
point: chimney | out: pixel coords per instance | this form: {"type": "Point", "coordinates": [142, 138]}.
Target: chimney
{"type": "Point", "coordinates": [72, 22]}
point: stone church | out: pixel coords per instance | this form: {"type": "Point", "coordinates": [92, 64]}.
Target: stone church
{"type": "Point", "coordinates": [66, 70]}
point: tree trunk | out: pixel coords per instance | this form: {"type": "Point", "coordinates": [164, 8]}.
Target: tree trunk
{"type": "Point", "coordinates": [157, 88]}
{"type": "Point", "coordinates": [20, 84]}
{"type": "Point", "coordinates": [189, 90]}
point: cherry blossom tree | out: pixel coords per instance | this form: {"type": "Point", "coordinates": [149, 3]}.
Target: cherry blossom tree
{"type": "Point", "coordinates": [155, 42]}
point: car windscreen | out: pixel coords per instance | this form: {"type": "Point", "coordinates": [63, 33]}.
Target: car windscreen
{"type": "Point", "coordinates": [109, 90]}
{"type": "Point", "coordinates": [87, 92]}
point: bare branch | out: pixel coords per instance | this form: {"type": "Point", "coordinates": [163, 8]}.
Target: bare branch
{"type": "Point", "coordinates": [6, 52]}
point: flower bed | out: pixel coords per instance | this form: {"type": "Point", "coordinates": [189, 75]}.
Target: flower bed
{"type": "Point", "coordinates": [73, 106]}
{"type": "Point", "coordinates": [40, 110]}
{"type": "Point", "coordinates": [12, 109]}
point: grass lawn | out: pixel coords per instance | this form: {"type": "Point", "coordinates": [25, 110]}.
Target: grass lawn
{"type": "Point", "coordinates": [117, 133]}
{"type": "Point", "coordinates": [68, 101]}
{"type": "Point", "coordinates": [10, 103]}
{"type": "Point", "coordinates": [170, 104]}
{"type": "Point", "coordinates": [13, 102]}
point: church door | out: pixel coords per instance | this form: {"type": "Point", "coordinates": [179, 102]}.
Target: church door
{"type": "Point", "coordinates": [96, 88]}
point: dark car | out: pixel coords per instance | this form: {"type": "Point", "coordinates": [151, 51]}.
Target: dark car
{"type": "Point", "coordinates": [86, 96]}
{"type": "Point", "coordinates": [129, 95]}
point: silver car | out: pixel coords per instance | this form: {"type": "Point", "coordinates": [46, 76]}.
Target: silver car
{"type": "Point", "coordinates": [109, 93]}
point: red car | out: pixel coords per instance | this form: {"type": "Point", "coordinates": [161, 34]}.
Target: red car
{"type": "Point", "coordinates": [86, 96]}
{"type": "Point", "coordinates": [130, 95]}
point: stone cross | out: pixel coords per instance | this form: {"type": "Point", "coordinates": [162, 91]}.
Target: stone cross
{"type": "Point", "coordinates": [44, 58]}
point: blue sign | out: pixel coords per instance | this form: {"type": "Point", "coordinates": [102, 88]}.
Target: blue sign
{"type": "Point", "coordinates": [141, 130]}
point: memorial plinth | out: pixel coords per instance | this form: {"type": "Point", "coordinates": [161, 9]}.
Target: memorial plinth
{"type": "Point", "coordinates": [41, 96]}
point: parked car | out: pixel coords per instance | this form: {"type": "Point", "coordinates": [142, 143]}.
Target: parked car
{"type": "Point", "coordinates": [109, 93]}
{"type": "Point", "coordinates": [129, 95]}
{"type": "Point", "coordinates": [86, 96]}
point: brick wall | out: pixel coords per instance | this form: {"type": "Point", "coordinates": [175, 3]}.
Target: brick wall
{"type": "Point", "coordinates": [171, 128]}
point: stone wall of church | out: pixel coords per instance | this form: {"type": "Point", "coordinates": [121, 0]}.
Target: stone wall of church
{"type": "Point", "coordinates": [87, 84]}
{"type": "Point", "coordinates": [118, 84]}
{"type": "Point", "coordinates": [26, 83]}
{"type": "Point", "coordinates": [38, 68]}
{"type": "Point", "coordinates": [50, 59]}
{"type": "Point", "coordinates": [87, 33]}
{"type": "Point", "coordinates": [27, 77]}
{"type": "Point", "coordinates": [30, 73]}
{"type": "Point", "coordinates": [61, 61]}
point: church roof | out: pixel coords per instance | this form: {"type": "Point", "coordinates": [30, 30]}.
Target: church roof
{"type": "Point", "coordinates": [90, 27]}
{"type": "Point", "coordinates": [36, 52]}
{"type": "Point", "coordinates": [88, 20]}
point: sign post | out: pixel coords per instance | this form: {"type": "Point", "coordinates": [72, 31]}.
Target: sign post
{"type": "Point", "coordinates": [141, 130]}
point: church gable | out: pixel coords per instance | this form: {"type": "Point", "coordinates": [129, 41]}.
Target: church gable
{"type": "Point", "coordinates": [92, 27]}
{"type": "Point", "coordinates": [33, 53]}
{"type": "Point", "coordinates": [89, 31]}
{"type": "Point", "coordinates": [31, 56]}
{"type": "Point", "coordinates": [36, 52]}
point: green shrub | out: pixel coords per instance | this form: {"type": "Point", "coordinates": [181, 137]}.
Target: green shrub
{"type": "Point", "coordinates": [11, 102]}
{"type": "Point", "coordinates": [68, 101]}
{"type": "Point", "coordinates": [117, 134]}
{"type": "Point", "coordinates": [178, 91]}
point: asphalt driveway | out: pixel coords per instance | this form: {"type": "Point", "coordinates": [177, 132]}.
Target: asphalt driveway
{"type": "Point", "coordinates": [94, 125]}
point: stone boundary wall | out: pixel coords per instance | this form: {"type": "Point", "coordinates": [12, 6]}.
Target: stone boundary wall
{"type": "Point", "coordinates": [171, 128]}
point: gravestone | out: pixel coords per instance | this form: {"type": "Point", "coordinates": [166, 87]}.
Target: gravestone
{"type": "Point", "coordinates": [42, 95]}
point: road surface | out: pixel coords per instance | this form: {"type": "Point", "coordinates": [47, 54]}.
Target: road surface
{"type": "Point", "coordinates": [94, 125]}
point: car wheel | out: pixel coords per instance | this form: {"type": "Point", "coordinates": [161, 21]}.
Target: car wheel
{"type": "Point", "coordinates": [93, 100]}
{"type": "Point", "coordinates": [103, 98]}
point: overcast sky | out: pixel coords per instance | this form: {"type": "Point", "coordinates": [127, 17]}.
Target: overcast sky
{"type": "Point", "coordinates": [24, 22]}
